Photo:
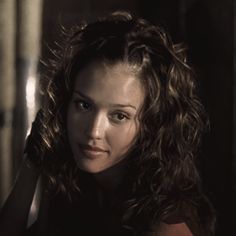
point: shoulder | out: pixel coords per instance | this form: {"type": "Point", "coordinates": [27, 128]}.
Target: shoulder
{"type": "Point", "coordinates": [165, 229]}
{"type": "Point", "coordinates": [176, 224]}
{"type": "Point", "coordinates": [183, 221]}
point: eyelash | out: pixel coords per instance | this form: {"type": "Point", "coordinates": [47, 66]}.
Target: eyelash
{"type": "Point", "coordinates": [79, 104]}
{"type": "Point", "coordinates": [125, 117]}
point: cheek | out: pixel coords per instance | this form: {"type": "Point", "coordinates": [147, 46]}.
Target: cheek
{"type": "Point", "coordinates": [124, 138]}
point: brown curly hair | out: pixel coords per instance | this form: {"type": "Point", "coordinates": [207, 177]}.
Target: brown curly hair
{"type": "Point", "coordinates": [164, 174]}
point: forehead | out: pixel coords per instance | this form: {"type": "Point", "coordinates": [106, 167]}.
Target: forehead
{"type": "Point", "coordinates": [117, 82]}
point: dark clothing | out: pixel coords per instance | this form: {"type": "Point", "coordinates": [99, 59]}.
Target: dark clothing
{"type": "Point", "coordinates": [84, 215]}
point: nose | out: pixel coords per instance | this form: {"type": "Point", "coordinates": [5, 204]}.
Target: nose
{"type": "Point", "coordinates": [96, 126]}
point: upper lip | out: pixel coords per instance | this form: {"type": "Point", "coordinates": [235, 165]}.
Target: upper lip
{"type": "Point", "coordinates": [92, 148]}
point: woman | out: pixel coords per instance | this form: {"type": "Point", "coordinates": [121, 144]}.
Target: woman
{"type": "Point", "coordinates": [116, 139]}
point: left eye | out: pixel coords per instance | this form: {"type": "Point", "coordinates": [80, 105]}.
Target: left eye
{"type": "Point", "coordinates": [119, 117]}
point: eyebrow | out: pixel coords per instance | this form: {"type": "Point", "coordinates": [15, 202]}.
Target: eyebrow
{"type": "Point", "coordinates": [113, 105]}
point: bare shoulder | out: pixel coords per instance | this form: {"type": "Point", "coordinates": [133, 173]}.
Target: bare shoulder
{"type": "Point", "coordinates": [164, 229]}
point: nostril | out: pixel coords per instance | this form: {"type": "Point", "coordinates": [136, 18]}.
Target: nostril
{"type": "Point", "coordinates": [95, 126]}
{"type": "Point", "coordinates": [93, 133]}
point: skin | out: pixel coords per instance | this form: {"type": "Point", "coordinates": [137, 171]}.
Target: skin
{"type": "Point", "coordinates": [180, 229]}
{"type": "Point", "coordinates": [97, 122]}
{"type": "Point", "coordinates": [103, 113]}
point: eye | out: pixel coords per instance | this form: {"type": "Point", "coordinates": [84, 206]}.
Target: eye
{"type": "Point", "coordinates": [82, 105]}
{"type": "Point", "coordinates": [119, 117]}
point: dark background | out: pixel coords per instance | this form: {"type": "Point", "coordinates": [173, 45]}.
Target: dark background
{"type": "Point", "coordinates": [206, 27]}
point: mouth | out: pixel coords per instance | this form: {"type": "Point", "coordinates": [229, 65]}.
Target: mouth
{"type": "Point", "coordinates": [92, 151]}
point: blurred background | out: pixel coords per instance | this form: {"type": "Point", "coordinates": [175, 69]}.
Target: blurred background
{"type": "Point", "coordinates": [30, 28]}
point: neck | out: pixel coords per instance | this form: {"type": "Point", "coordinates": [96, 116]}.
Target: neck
{"type": "Point", "coordinates": [109, 179]}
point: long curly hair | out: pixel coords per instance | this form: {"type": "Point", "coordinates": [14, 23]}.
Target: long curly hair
{"type": "Point", "coordinates": [165, 178]}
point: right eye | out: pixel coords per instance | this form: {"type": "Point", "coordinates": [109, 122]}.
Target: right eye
{"type": "Point", "coordinates": [82, 105]}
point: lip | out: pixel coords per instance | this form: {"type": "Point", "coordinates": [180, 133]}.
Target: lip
{"type": "Point", "coordinates": [92, 151]}
{"type": "Point", "coordinates": [92, 148]}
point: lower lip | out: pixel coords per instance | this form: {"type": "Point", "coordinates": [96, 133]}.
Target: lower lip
{"type": "Point", "coordinates": [92, 154]}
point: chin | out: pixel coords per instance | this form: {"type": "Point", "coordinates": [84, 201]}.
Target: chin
{"type": "Point", "coordinates": [92, 169]}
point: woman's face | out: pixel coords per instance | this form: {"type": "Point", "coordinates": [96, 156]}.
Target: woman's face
{"type": "Point", "coordinates": [102, 118]}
